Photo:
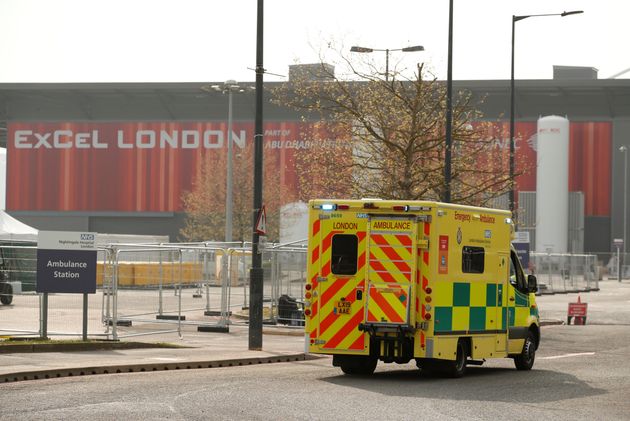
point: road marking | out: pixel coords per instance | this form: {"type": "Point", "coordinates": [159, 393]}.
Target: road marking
{"type": "Point", "coordinates": [555, 357]}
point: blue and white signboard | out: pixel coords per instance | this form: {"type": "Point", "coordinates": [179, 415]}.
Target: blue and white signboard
{"type": "Point", "coordinates": [66, 262]}
{"type": "Point", "coordinates": [521, 244]}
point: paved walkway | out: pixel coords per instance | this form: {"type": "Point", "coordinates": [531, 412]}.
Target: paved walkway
{"type": "Point", "coordinates": [197, 350]}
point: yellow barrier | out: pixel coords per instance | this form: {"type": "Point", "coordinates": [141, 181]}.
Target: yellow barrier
{"type": "Point", "coordinates": [125, 274]}
{"type": "Point", "coordinates": [145, 274]}
{"type": "Point", "coordinates": [148, 274]}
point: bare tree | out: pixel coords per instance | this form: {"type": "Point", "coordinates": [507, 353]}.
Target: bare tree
{"type": "Point", "coordinates": [204, 204]}
{"type": "Point", "coordinates": [392, 133]}
{"type": "Point", "coordinates": [324, 170]}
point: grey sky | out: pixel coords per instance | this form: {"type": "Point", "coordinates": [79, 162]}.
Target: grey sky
{"type": "Point", "coordinates": [211, 40]}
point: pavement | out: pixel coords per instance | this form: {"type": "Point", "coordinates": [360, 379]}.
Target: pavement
{"type": "Point", "coordinates": [193, 350]}
{"type": "Point", "coordinates": [210, 350]}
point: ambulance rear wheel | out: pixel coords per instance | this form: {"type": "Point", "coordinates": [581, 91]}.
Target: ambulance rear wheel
{"type": "Point", "coordinates": [525, 360]}
{"type": "Point", "coordinates": [457, 368]}
{"type": "Point", "coordinates": [358, 365]}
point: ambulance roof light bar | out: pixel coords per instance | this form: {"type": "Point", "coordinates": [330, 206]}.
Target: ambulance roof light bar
{"type": "Point", "coordinates": [407, 208]}
{"type": "Point", "coordinates": [331, 207]}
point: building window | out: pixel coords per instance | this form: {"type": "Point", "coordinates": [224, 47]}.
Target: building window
{"type": "Point", "coordinates": [344, 254]}
{"type": "Point", "coordinates": [472, 259]}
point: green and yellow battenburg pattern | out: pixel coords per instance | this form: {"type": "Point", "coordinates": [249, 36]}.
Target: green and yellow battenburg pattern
{"type": "Point", "coordinates": [477, 307]}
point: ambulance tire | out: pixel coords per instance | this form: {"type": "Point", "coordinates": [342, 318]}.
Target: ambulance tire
{"type": "Point", "coordinates": [457, 368]}
{"type": "Point", "coordinates": [358, 365]}
{"type": "Point", "coordinates": [525, 360]}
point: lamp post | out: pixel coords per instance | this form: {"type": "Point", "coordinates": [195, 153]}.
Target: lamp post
{"type": "Point", "coordinates": [356, 49]}
{"type": "Point", "coordinates": [448, 137]}
{"type": "Point", "coordinates": [512, 148]}
{"type": "Point", "coordinates": [256, 271]}
{"type": "Point", "coordinates": [229, 88]}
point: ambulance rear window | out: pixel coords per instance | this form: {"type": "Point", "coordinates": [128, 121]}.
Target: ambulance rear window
{"type": "Point", "coordinates": [344, 254]}
{"type": "Point", "coordinates": [472, 259]}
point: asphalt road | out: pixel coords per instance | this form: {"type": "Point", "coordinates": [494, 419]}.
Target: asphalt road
{"type": "Point", "coordinates": [581, 372]}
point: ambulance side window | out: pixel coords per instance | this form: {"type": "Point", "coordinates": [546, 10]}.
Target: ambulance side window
{"type": "Point", "coordinates": [473, 259]}
{"type": "Point", "coordinates": [516, 274]}
{"type": "Point", "coordinates": [344, 254]}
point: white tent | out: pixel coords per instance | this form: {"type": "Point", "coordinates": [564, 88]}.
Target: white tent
{"type": "Point", "coordinates": [12, 229]}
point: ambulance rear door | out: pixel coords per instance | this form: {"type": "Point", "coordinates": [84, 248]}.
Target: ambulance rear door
{"type": "Point", "coordinates": [391, 271]}
{"type": "Point", "coordinates": [341, 283]}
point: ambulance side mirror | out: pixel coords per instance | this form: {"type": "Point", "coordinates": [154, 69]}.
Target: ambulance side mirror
{"type": "Point", "coordinates": [532, 284]}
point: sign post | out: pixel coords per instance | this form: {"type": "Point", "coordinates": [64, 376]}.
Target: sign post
{"type": "Point", "coordinates": [261, 229]}
{"type": "Point", "coordinates": [577, 311]}
{"type": "Point", "coordinates": [66, 263]}
{"type": "Point", "coordinates": [261, 222]}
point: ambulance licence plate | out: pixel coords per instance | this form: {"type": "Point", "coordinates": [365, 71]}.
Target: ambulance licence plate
{"type": "Point", "coordinates": [342, 307]}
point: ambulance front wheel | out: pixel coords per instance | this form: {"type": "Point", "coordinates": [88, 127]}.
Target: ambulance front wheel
{"type": "Point", "coordinates": [525, 360]}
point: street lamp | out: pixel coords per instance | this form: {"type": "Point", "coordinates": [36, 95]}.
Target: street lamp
{"type": "Point", "coordinates": [624, 150]}
{"type": "Point", "coordinates": [229, 87]}
{"type": "Point", "coordinates": [256, 272]}
{"type": "Point", "coordinates": [356, 49]}
{"type": "Point", "coordinates": [514, 20]}
{"type": "Point", "coordinates": [448, 135]}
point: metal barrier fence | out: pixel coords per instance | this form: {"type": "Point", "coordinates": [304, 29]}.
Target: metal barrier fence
{"type": "Point", "coordinates": [562, 273]}
{"type": "Point", "coordinates": [615, 264]}
{"type": "Point", "coordinates": [149, 289]}
{"type": "Point", "coordinates": [21, 310]}
{"type": "Point", "coordinates": [286, 275]}
{"type": "Point", "coordinates": [18, 274]}
{"type": "Point", "coordinates": [163, 281]}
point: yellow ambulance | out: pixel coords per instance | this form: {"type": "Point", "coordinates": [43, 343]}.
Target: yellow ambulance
{"type": "Point", "coordinates": [396, 280]}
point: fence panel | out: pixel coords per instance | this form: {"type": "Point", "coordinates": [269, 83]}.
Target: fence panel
{"type": "Point", "coordinates": [154, 287]}
{"type": "Point", "coordinates": [608, 262]}
{"type": "Point", "coordinates": [65, 315]}
{"type": "Point", "coordinates": [22, 316]}
{"type": "Point", "coordinates": [285, 275]}
{"type": "Point", "coordinates": [564, 273]}
{"type": "Point", "coordinates": [19, 304]}
{"type": "Point", "coordinates": [239, 263]}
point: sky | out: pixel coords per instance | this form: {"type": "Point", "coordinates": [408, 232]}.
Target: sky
{"type": "Point", "coordinates": [212, 40]}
